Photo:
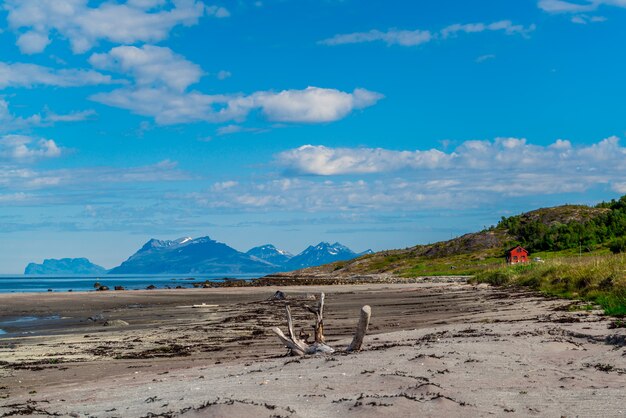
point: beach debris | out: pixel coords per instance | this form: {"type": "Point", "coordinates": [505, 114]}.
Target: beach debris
{"type": "Point", "coordinates": [116, 323]}
{"type": "Point", "coordinates": [119, 288]}
{"type": "Point", "coordinates": [96, 318]}
{"type": "Point", "coordinates": [204, 305]}
{"type": "Point", "coordinates": [300, 347]}
{"type": "Point", "coordinates": [278, 296]}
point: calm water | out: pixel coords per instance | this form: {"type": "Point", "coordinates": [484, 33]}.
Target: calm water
{"type": "Point", "coordinates": [23, 283]}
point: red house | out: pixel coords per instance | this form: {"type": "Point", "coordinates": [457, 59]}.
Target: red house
{"type": "Point", "coordinates": [517, 255]}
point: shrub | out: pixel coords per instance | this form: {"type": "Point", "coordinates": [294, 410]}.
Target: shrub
{"type": "Point", "coordinates": [618, 245]}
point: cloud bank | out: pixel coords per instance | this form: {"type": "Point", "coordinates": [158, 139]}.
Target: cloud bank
{"type": "Point", "coordinates": [500, 155]}
{"type": "Point", "coordinates": [37, 21]}
{"type": "Point", "coordinates": [310, 105]}
{"type": "Point", "coordinates": [419, 37]}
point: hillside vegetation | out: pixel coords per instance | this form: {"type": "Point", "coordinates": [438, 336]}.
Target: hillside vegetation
{"type": "Point", "coordinates": [597, 279]}
{"type": "Point", "coordinates": [548, 233]}
{"type": "Point", "coordinates": [582, 247]}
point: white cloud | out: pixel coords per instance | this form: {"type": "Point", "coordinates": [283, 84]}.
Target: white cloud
{"type": "Point", "coordinates": [12, 123]}
{"type": "Point", "coordinates": [563, 6]}
{"type": "Point", "coordinates": [224, 185]}
{"type": "Point", "coordinates": [29, 75]}
{"type": "Point", "coordinates": [324, 161]}
{"type": "Point", "coordinates": [14, 177]}
{"type": "Point", "coordinates": [418, 37]}
{"type": "Point", "coordinates": [35, 21]}
{"type": "Point", "coordinates": [77, 116]}
{"type": "Point", "coordinates": [477, 172]}
{"type": "Point", "coordinates": [391, 37]}
{"type": "Point", "coordinates": [503, 25]}
{"type": "Point", "coordinates": [19, 148]}
{"type": "Point", "coordinates": [484, 58]}
{"type": "Point", "coordinates": [223, 75]}
{"type": "Point", "coordinates": [32, 42]}
{"type": "Point", "coordinates": [217, 11]}
{"type": "Point", "coordinates": [584, 19]}
{"type": "Point", "coordinates": [311, 105]}
{"type": "Point", "coordinates": [150, 65]}
{"type": "Point", "coordinates": [234, 129]}
{"type": "Point", "coordinates": [501, 156]}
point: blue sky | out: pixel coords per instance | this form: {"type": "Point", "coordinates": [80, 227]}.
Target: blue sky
{"type": "Point", "coordinates": [376, 124]}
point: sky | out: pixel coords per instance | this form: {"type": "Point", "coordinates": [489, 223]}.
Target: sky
{"type": "Point", "coordinates": [378, 124]}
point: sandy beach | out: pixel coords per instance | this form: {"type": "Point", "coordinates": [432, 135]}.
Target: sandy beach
{"type": "Point", "coordinates": [435, 348]}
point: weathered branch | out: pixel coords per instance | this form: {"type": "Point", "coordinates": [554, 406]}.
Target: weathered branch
{"type": "Point", "coordinates": [292, 345]}
{"type": "Point", "coordinates": [361, 329]}
{"type": "Point", "coordinates": [299, 347]}
{"type": "Point", "coordinates": [292, 335]}
{"type": "Point", "coordinates": [319, 319]}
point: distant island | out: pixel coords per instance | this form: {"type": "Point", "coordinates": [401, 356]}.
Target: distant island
{"type": "Point", "coordinates": [203, 256]}
{"type": "Point", "coordinates": [65, 266]}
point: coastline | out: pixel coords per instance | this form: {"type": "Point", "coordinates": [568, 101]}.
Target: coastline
{"type": "Point", "coordinates": [434, 347]}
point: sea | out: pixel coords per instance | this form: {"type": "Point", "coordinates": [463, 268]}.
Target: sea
{"type": "Point", "coordinates": [67, 283]}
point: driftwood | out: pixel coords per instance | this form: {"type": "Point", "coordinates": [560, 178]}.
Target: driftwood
{"type": "Point", "coordinates": [300, 347]}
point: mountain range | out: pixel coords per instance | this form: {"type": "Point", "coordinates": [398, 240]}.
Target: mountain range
{"type": "Point", "coordinates": [206, 256]}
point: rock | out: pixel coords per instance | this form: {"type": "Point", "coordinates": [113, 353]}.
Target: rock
{"type": "Point", "coordinates": [278, 296]}
{"type": "Point", "coordinates": [151, 287]}
{"type": "Point", "coordinates": [96, 317]}
{"type": "Point", "coordinates": [102, 288]}
{"type": "Point", "coordinates": [179, 287]}
{"type": "Point", "coordinates": [96, 285]}
{"type": "Point", "coordinates": [119, 288]}
{"type": "Point", "coordinates": [116, 323]}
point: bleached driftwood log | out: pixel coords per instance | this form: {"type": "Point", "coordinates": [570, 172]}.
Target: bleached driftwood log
{"type": "Point", "coordinates": [299, 347]}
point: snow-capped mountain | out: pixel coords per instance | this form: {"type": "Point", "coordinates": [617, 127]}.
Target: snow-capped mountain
{"type": "Point", "coordinates": [204, 255]}
{"type": "Point", "coordinates": [187, 255]}
{"type": "Point", "coordinates": [322, 253]}
{"type": "Point", "coordinates": [270, 254]}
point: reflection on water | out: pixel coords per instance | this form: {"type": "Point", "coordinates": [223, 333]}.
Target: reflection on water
{"type": "Point", "coordinates": [24, 319]}
{"type": "Point", "coordinates": [24, 324]}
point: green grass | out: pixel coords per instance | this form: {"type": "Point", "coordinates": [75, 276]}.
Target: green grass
{"type": "Point", "coordinates": [599, 279]}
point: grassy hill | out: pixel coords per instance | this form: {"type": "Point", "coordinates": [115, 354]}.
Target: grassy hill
{"type": "Point", "coordinates": [546, 232]}
{"type": "Point", "coordinates": [583, 251]}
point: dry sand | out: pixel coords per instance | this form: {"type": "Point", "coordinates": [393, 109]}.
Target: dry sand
{"type": "Point", "coordinates": [434, 349]}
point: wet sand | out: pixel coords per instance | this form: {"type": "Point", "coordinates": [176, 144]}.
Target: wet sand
{"type": "Point", "coordinates": [433, 349]}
